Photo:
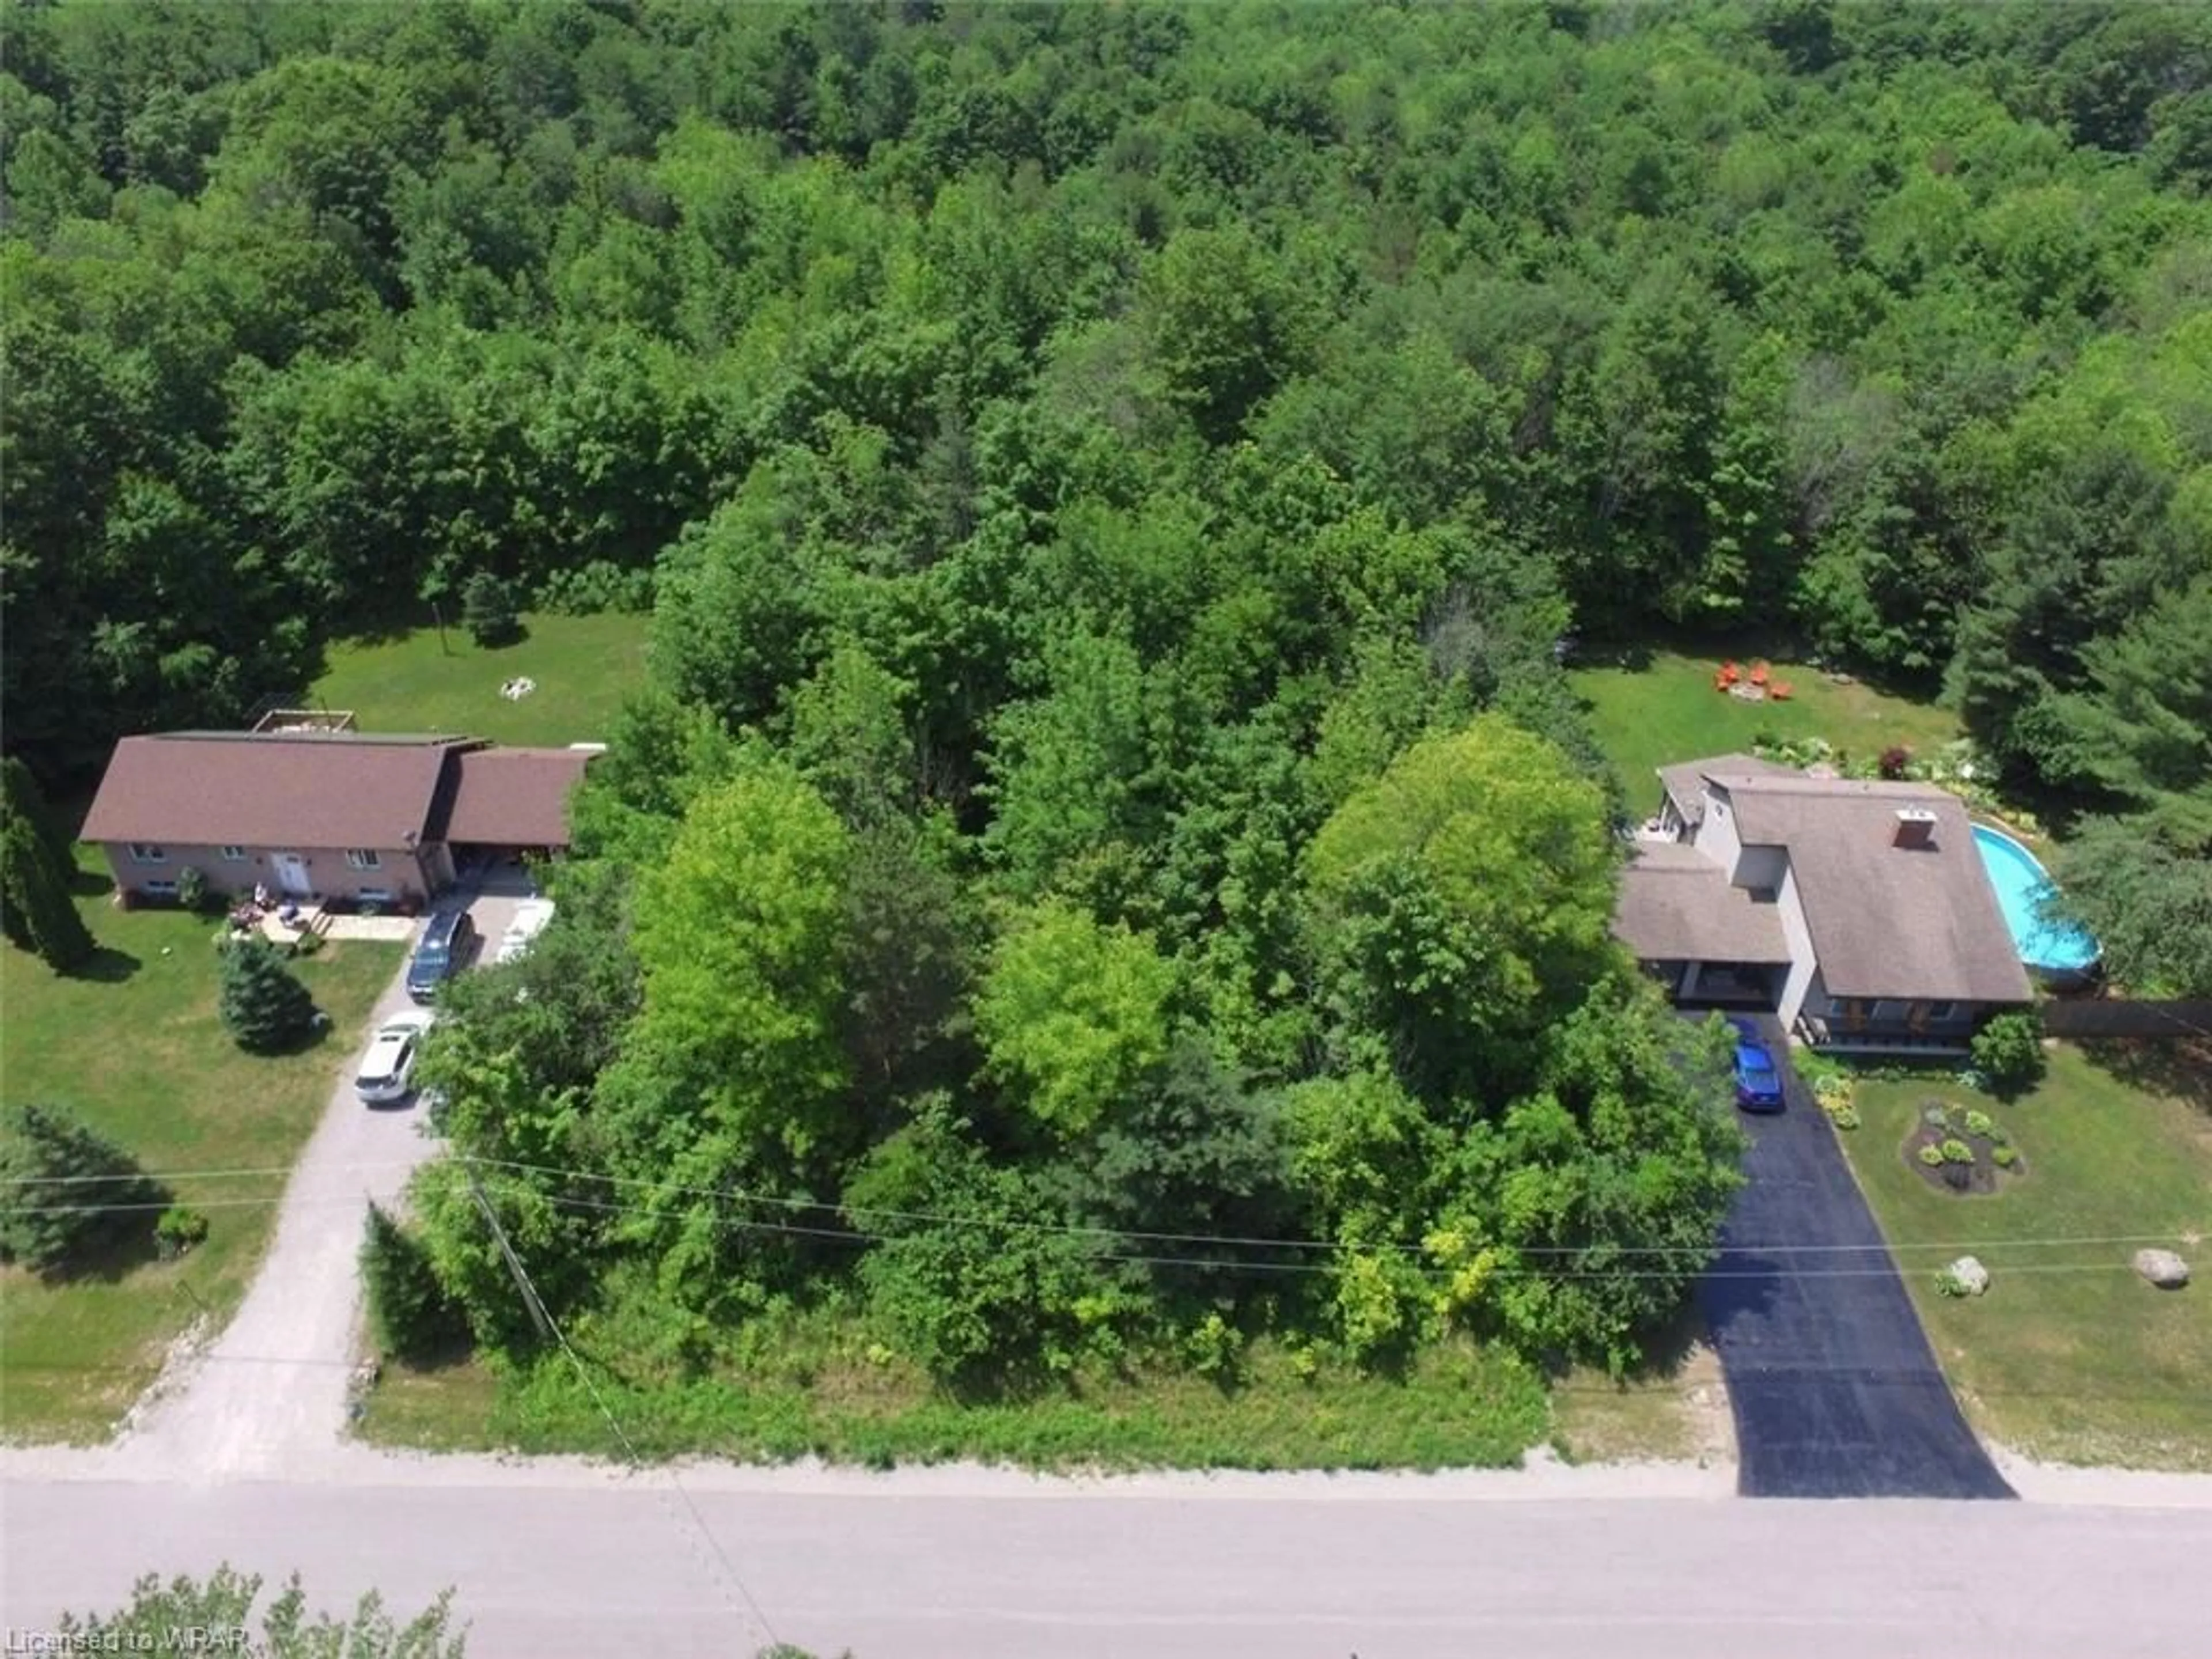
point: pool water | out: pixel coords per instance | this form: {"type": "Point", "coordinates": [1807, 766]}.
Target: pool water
{"type": "Point", "coordinates": [2022, 885]}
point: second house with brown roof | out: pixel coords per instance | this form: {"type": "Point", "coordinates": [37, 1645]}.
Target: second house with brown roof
{"type": "Point", "coordinates": [315, 816]}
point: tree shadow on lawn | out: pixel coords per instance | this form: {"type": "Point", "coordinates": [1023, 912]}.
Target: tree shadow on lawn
{"type": "Point", "coordinates": [2181, 1067]}
{"type": "Point", "coordinates": [106, 966]}
{"type": "Point", "coordinates": [116, 1256]}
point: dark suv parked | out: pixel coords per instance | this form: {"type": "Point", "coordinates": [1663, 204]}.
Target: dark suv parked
{"type": "Point", "coordinates": [443, 951]}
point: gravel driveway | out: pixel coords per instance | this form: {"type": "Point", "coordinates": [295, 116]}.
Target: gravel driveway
{"type": "Point", "coordinates": [272, 1387]}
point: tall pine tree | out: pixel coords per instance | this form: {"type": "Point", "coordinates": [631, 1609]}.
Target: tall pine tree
{"type": "Point", "coordinates": [36, 910]}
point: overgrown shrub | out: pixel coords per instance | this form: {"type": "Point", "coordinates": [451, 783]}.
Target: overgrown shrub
{"type": "Point", "coordinates": [409, 1310]}
{"type": "Point", "coordinates": [592, 589]}
{"type": "Point", "coordinates": [1894, 761]}
{"type": "Point", "coordinates": [1216, 1349]}
{"type": "Point", "coordinates": [66, 1190]}
{"type": "Point", "coordinates": [192, 888]}
{"type": "Point", "coordinates": [179, 1228]}
{"type": "Point", "coordinates": [262, 1003]}
{"type": "Point", "coordinates": [2008, 1053]}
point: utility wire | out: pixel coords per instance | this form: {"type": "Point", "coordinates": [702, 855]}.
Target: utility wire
{"type": "Point", "coordinates": [1003, 1224]}
{"type": "Point", "coordinates": [542, 1317]}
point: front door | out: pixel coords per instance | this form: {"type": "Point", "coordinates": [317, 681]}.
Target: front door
{"type": "Point", "coordinates": [292, 875]}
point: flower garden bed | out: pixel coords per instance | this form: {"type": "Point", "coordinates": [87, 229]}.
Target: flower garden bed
{"type": "Point", "coordinates": [1962, 1150]}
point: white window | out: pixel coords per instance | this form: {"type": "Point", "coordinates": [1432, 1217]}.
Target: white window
{"type": "Point", "coordinates": [233, 855]}
{"type": "Point", "coordinates": [374, 895]}
{"type": "Point", "coordinates": [1941, 1010]}
{"type": "Point", "coordinates": [162, 889]}
{"type": "Point", "coordinates": [143, 853]}
{"type": "Point", "coordinates": [362, 859]}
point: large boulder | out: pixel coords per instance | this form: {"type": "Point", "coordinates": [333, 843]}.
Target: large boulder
{"type": "Point", "coordinates": [2163, 1268]}
{"type": "Point", "coordinates": [1970, 1276]}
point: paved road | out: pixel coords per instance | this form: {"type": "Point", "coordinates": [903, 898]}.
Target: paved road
{"type": "Point", "coordinates": [271, 1386]}
{"type": "Point", "coordinates": [1834, 1389]}
{"type": "Point", "coordinates": [566, 1563]}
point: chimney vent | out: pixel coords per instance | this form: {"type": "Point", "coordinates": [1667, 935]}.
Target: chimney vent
{"type": "Point", "coordinates": [1916, 827]}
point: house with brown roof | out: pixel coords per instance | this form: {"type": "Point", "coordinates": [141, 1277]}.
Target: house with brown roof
{"type": "Point", "coordinates": [1858, 911]}
{"type": "Point", "coordinates": [317, 815]}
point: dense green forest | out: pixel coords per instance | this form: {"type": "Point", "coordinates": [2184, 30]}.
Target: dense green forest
{"type": "Point", "coordinates": [1109, 859]}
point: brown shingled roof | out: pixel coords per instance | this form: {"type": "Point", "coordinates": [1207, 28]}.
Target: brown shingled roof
{"type": "Point", "coordinates": [1684, 783]}
{"type": "Point", "coordinates": [513, 797]}
{"type": "Point", "coordinates": [268, 789]}
{"type": "Point", "coordinates": [1677, 905]}
{"type": "Point", "coordinates": [1887, 921]}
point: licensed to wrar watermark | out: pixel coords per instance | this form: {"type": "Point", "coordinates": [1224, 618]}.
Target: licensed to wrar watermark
{"type": "Point", "coordinates": [178, 1638]}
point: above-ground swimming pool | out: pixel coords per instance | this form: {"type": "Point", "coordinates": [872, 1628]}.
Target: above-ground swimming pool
{"type": "Point", "coordinates": [2022, 885]}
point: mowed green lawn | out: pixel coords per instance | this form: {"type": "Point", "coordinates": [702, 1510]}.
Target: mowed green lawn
{"type": "Point", "coordinates": [583, 666]}
{"type": "Point", "coordinates": [2070, 1357]}
{"type": "Point", "coordinates": [135, 1049]}
{"type": "Point", "coordinates": [1667, 711]}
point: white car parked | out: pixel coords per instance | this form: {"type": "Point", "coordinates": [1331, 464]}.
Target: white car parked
{"type": "Point", "coordinates": [387, 1070]}
{"type": "Point", "coordinates": [530, 919]}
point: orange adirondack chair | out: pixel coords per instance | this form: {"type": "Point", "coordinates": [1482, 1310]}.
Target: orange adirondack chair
{"type": "Point", "coordinates": [1779, 690]}
{"type": "Point", "coordinates": [1759, 673]}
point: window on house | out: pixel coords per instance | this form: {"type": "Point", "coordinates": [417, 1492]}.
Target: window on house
{"type": "Point", "coordinates": [141, 852]}
{"type": "Point", "coordinates": [361, 858]}
{"type": "Point", "coordinates": [1941, 1010]}
{"type": "Point", "coordinates": [233, 855]}
{"type": "Point", "coordinates": [162, 889]}
{"type": "Point", "coordinates": [374, 896]}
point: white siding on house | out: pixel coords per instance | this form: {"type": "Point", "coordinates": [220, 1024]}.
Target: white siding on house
{"type": "Point", "coordinates": [1804, 969]}
{"type": "Point", "coordinates": [1717, 835]}
{"type": "Point", "coordinates": [1760, 868]}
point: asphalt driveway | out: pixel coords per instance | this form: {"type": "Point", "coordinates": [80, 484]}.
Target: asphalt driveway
{"type": "Point", "coordinates": [1835, 1391]}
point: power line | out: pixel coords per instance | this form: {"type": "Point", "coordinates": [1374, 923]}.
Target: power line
{"type": "Point", "coordinates": [542, 1317]}
{"type": "Point", "coordinates": [857, 1236]}
{"type": "Point", "coordinates": [861, 1233]}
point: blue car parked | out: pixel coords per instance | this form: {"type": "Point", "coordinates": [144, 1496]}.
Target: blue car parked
{"type": "Point", "coordinates": [1758, 1085]}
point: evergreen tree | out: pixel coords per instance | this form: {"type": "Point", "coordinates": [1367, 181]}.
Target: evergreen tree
{"type": "Point", "coordinates": [408, 1308]}
{"type": "Point", "coordinates": [490, 609]}
{"type": "Point", "coordinates": [263, 1004]}
{"type": "Point", "coordinates": [34, 896]}
{"type": "Point", "coordinates": [65, 1189]}
{"type": "Point", "coordinates": [20, 792]}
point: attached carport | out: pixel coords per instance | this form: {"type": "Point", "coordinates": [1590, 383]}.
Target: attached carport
{"type": "Point", "coordinates": [1834, 1389]}
{"type": "Point", "coordinates": [501, 806]}
{"type": "Point", "coordinates": [1712, 943]}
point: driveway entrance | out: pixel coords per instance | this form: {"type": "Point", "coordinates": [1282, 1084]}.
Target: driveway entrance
{"type": "Point", "coordinates": [1834, 1389]}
